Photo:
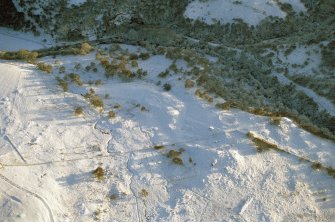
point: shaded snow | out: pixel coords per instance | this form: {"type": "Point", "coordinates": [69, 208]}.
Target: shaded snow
{"type": "Point", "coordinates": [11, 40]}
{"type": "Point", "coordinates": [75, 2]}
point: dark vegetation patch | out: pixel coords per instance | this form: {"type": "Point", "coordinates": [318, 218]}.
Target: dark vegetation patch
{"type": "Point", "coordinates": [99, 173]}
{"type": "Point", "coordinates": [78, 111]}
{"type": "Point", "coordinates": [94, 99]}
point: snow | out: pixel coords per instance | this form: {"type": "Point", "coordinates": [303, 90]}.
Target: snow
{"type": "Point", "coordinates": [307, 56]}
{"type": "Point", "coordinates": [47, 153]}
{"type": "Point", "coordinates": [75, 2]}
{"type": "Point", "coordinates": [11, 40]}
{"type": "Point", "coordinates": [250, 11]}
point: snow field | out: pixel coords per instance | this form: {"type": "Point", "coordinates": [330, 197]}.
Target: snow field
{"type": "Point", "coordinates": [226, 11]}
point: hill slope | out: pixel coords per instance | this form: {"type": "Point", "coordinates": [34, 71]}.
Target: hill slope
{"type": "Point", "coordinates": [164, 154]}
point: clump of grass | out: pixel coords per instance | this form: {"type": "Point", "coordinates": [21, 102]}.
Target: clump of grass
{"type": "Point", "coordinates": [75, 78]}
{"type": "Point", "coordinates": [203, 95]}
{"type": "Point", "coordinates": [114, 196]}
{"type": "Point", "coordinates": [133, 63]}
{"type": "Point", "coordinates": [111, 114]}
{"type": "Point", "coordinates": [173, 153]}
{"type": "Point", "coordinates": [140, 73]}
{"type": "Point", "coordinates": [275, 120]}
{"type": "Point", "coordinates": [303, 158]}
{"type": "Point", "coordinates": [92, 66]}
{"type": "Point", "coordinates": [44, 67]}
{"type": "Point", "coordinates": [97, 214]}
{"type": "Point", "coordinates": [99, 173]}
{"type": "Point", "coordinates": [78, 111]}
{"type": "Point", "coordinates": [260, 111]}
{"type": "Point", "coordinates": [144, 109]}
{"type": "Point", "coordinates": [222, 106]}
{"type": "Point", "coordinates": [319, 166]}
{"type": "Point", "coordinates": [261, 144]}
{"type": "Point", "coordinates": [27, 56]}
{"type": "Point", "coordinates": [144, 193]}
{"type": "Point", "coordinates": [167, 87]}
{"type": "Point", "coordinates": [22, 54]}
{"type": "Point", "coordinates": [77, 66]}
{"type": "Point", "coordinates": [159, 147]}
{"type": "Point", "coordinates": [61, 69]}
{"type": "Point", "coordinates": [94, 99]}
{"type": "Point", "coordinates": [164, 74]}
{"type": "Point", "coordinates": [227, 105]}
{"type": "Point", "coordinates": [62, 83]}
{"type": "Point", "coordinates": [331, 171]}
{"type": "Point", "coordinates": [144, 56]}
{"type": "Point", "coordinates": [84, 49]}
{"type": "Point", "coordinates": [133, 56]}
{"type": "Point", "coordinates": [120, 67]}
{"type": "Point", "coordinates": [189, 83]}
{"type": "Point", "coordinates": [175, 156]}
{"type": "Point", "coordinates": [177, 160]}
{"type": "Point", "coordinates": [117, 106]}
{"type": "Point", "coordinates": [98, 82]}
{"type": "Point", "coordinates": [316, 166]}
{"type": "Point", "coordinates": [173, 67]}
{"type": "Point", "coordinates": [160, 50]}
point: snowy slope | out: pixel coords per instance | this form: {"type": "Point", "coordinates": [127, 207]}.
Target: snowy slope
{"type": "Point", "coordinates": [48, 154]}
{"type": "Point", "coordinates": [11, 40]}
{"type": "Point", "coordinates": [250, 11]}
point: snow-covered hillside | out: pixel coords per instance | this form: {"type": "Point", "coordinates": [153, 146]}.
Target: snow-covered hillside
{"type": "Point", "coordinates": [250, 11]}
{"type": "Point", "coordinates": [152, 153]}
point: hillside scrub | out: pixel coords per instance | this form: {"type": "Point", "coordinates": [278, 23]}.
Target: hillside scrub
{"type": "Point", "coordinates": [99, 173]}
{"type": "Point", "coordinates": [22, 54]}
{"type": "Point", "coordinates": [74, 77]}
{"type": "Point", "coordinates": [328, 54]}
{"type": "Point", "coordinates": [94, 99]}
{"type": "Point", "coordinates": [84, 49]}
{"type": "Point", "coordinates": [44, 67]}
{"type": "Point", "coordinates": [78, 111]}
{"type": "Point", "coordinates": [62, 83]}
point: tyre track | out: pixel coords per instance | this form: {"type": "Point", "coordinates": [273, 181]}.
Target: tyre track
{"type": "Point", "coordinates": [44, 202]}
